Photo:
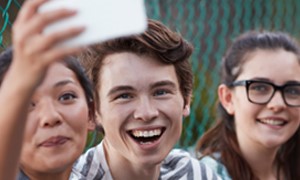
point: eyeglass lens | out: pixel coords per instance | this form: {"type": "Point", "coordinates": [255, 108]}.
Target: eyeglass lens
{"type": "Point", "coordinates": [261, 92]}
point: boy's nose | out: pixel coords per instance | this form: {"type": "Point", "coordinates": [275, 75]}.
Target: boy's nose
{"type": "Point", "coordinates": [145, 110]}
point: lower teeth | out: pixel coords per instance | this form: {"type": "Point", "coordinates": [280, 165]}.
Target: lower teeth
{"type": "Point", "coordinates": [145, 142]}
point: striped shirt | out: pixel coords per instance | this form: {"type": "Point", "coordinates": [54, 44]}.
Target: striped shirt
{"type": "Point", "coordinates": [214, 162]}
{"type": "Point", "coordinates": [178, 165]}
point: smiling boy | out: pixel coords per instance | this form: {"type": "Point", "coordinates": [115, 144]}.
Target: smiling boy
{"type": "Point", "coordinates": [144, 85]}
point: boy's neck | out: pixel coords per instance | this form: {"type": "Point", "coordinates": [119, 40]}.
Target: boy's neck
{"type": "Point", "coordinates": [121, 168]}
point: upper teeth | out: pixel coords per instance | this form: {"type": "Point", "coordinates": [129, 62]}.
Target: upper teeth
{"type": "Point", "coordinates": [139, 133]}
{"type": "Point", "coordinates": [272, 122]}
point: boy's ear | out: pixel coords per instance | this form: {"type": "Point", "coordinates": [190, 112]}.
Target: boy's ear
{"type": "Point", "coordinates": [91, 125]}
{"type": "Point", "coordinates": [186, 109]}
{"type": "Point", "coordinates": [225, 98]}
{"type": "Point", "coordinates": [93, 117]}
{"type": "Point", "coordinates": [98, 119]}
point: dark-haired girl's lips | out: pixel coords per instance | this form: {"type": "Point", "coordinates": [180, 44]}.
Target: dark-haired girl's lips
{"type": "Point", "coordinates": [54, 141]}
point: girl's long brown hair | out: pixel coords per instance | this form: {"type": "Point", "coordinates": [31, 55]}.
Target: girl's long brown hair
{"type": "Point", "coordinates": [222, 137]}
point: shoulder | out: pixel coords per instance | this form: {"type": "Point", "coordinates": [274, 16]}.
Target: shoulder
{"type": "Point", "coordinates": [211, 161]}
{"type": "Point", "coordinates": [22, 176]}
{"type": "Point", "coordinates": [215, 164]}
{"type": "Point", "coordinates": [92, 164]}
{"type": "Point", "coordinates": [179, 164]}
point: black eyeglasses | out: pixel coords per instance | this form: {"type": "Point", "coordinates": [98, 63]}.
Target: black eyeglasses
{"type": "Point", "coordinates": [260, 92]}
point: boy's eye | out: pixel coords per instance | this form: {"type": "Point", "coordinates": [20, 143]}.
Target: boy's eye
{"type": "Point", "coordinates": [67, 96]}
{"type": "Point", "coordinates": [160, 92]}
{"type": "Point", "coordinates": [124, 96]}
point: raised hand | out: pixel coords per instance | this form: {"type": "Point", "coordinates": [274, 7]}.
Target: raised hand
{"type": "Point", "coordinates": [34, 51]}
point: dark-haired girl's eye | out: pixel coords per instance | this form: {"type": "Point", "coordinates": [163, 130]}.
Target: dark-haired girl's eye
{"type": "Point", "coordinates": [67, 97]}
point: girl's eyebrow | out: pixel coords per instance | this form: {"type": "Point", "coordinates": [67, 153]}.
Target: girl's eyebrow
{"type": "Point", "coordinates": [63, 82]}
{"type": "Point", "coordinates": [292, 82]}
{"type": "Point", "coordinates": [268, 80]}
{"type": "Point", "coordinates": [261, 79]}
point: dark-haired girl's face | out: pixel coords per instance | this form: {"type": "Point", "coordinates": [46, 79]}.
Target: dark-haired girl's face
{"type": "Point", "coordinates": [57, 123]}
{"type": "Point", "coordinates": [263, 123]}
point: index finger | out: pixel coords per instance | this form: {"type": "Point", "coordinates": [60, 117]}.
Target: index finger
{"type": "Point", "coordinates": [28, 9]}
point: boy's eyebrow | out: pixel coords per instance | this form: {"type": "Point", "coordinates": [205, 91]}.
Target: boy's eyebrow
{"type": "Point", "coordinates": [163, 83]}
{"type": "Point", "coordinates": [119, 88]}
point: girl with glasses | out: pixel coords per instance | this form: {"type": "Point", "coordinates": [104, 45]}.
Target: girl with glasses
{"type": "Point", "coordinates": [257, 134]}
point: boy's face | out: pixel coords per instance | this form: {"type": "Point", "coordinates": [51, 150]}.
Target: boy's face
{"type": "Point", "coordinates": [141, 109]}
{"type": "Point", "coordinates": [57, 123]}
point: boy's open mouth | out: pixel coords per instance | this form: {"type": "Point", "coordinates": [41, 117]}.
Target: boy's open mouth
{"type": "Point", "coordinates": [146, 136]}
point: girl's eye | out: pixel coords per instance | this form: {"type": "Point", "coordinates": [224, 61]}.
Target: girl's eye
{"type": "Point", "coordinates": [31, 105]}
{"type": "Point", "coordinates": [293, 90]}
{"type": "Point", "coordinates": [67, 97]}
{"type": "Point", "coordinates": [260, 88]}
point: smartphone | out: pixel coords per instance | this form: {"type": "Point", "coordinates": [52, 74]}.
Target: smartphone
{"type": "Point", "coordinates": [102, 19]}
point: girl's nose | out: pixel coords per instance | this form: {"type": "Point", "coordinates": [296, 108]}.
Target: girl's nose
{"type": "Point", "coordinates": [48, 115]}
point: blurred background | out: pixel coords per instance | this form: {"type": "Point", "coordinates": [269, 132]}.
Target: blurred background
{"type": "Point", "coordinates": [210, 25]}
